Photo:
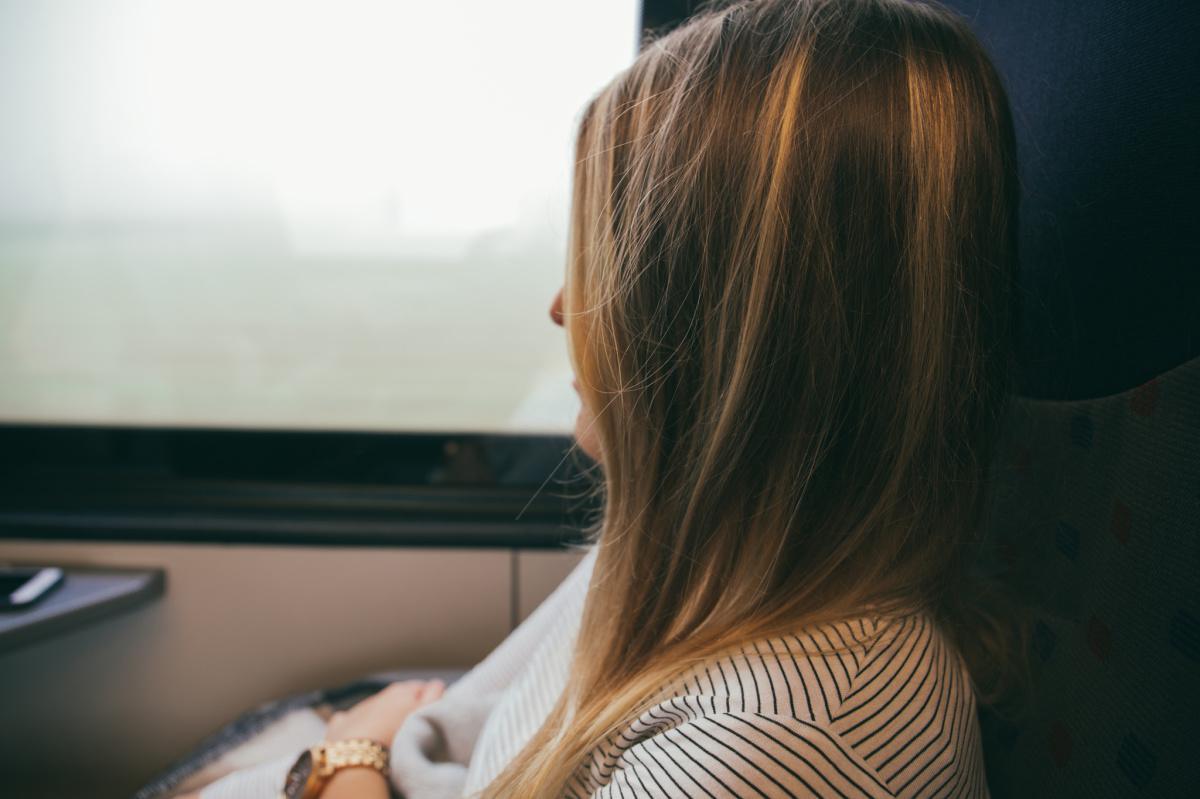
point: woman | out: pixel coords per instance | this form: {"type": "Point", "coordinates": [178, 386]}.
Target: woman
{"type": "Point", "coordinates": [788, 303]}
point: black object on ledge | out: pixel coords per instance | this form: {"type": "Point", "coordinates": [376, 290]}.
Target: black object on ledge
{"type": "Point", "coordinates": [86, 594]}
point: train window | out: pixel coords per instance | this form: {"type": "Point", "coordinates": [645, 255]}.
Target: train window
{"type": "Point", "coordinates": [338, 216]}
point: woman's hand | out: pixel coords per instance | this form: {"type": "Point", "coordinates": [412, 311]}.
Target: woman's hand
{"type": "Point", "coordinates": [378, 717]}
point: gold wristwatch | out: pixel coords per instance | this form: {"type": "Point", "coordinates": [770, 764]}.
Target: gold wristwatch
{"type": "Point", "coordinates": [316, 766]}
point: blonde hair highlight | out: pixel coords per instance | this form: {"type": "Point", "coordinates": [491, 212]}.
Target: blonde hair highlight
{"type": "Point", "coordinates": [790, 299]}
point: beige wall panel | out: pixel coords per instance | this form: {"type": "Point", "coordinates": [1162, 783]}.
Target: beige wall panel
{"type": "Point", "coordinates": [538, 573]}
{"type": "Point", "coordinates": [95, 711]}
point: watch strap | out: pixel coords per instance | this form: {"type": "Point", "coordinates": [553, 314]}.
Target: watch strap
{"type": "Point", "coordinates": [351, 753]}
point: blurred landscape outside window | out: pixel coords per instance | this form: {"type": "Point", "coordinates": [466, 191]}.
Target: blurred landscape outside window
{"type": "Point", "coordinates": [294, 215]}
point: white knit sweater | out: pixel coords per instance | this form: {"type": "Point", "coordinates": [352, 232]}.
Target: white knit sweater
{"type": "Point", "coordinates": [891, 714]}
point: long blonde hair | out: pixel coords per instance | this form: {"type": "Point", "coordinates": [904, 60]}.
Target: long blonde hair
{"type": "Point", "coordinates": [790, 301]}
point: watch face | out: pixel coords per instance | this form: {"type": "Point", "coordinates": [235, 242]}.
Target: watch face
{"type": "Point", "coordinates": [297, 778]}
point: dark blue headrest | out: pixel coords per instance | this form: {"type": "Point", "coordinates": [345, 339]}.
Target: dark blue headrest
{"type": "Point", "coordinates": [1107, 114]}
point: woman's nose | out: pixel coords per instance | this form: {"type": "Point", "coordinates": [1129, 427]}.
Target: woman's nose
{"type": "Point", "coordinates": [556, 311]}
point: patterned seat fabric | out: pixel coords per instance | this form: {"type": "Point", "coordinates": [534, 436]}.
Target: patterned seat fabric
{"type": "Point", "coordinates": [1095, 519]}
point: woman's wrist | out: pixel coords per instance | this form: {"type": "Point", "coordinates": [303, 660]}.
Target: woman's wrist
{"type": "Point", "coordinates": [340, 769]}
{"type": "Point", "coordinates": [356, 782]}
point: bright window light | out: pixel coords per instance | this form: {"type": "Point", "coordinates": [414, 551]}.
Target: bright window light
{"type": "Point", "coordinates": [285, 214]}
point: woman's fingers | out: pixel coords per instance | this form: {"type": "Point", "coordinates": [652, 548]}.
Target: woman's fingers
{"type": "Point", "coordinates": [432, 691]}
{"type": "Point", "coordinates": [404, 691]}
{"type": "Point", "coordinates": [378, 716]}
{"type": "Point", "coordinates": [418, 691]}
{"type": "Point", "coordinates": [413, 693]}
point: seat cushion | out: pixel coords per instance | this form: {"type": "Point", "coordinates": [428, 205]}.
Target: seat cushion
{"type": "Point", "coordinates": [1095, 519]}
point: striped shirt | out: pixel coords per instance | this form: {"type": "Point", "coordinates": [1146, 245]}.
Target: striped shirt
{"type": "Point", "coordinates": [891, 716]}
{"type": "Point", "coordinates": [861, 708]}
